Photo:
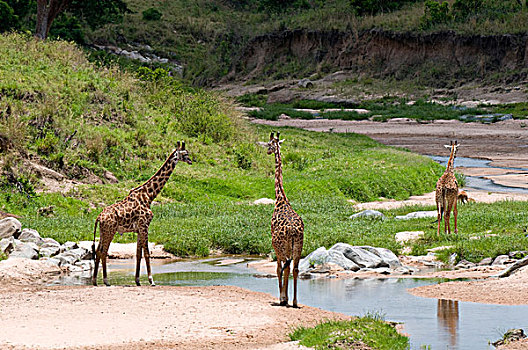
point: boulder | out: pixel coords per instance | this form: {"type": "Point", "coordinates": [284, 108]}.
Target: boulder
{"type": "Point", "coordinates": [10, 227]}
{"type": "Point", "coordinates": [68, 245]}
{"type": "Point", "coordinates": [406, 236]}
{"type": "Point", "coordinates": [24, 250]}
{"type": "Point", "coordinates": [66, 259]}
{"type": "Point", "coordinates": [81, 253]}
{"type": "Point", "coordinates": [30, 235]}
{"type": "Point", "coordinates": [386, 255]}
{"type": "Point", "coordinates": [317, 257]}
{"type": "Point", "coordinates": [360, 256]}
{"type": "Point", "coordinates": [7, 245]}
{"type": "Point", "coordinates": [50, 242]}
{"type": "Point", "coordinates": [501, 260]}
{"type": "Point", "coordinates": [88, 265]}
{"type": "Point", "coordinates": [49, 251]}
{"type": "Point", "coordinates": [485, 262]}
{"type": "Point", "coordinates": [305, 83]}
{"type": "Point", "coordinates": [368, 214]}
{"type": "Point", "coordinates": [418, 215]}
{"type": "Point", "coordinates": [464, 264]}
{"type": "Point", "coordinates": [338, 258]}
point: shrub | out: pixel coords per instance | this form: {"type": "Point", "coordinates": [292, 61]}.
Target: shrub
{"type": "Point", "coordinates": [151, 14]}
{"type": "Point", "coordinates": [8, 19]}
{"type": "Point", "coordinates": [435, 13]}
{"type": "Point", "coordinates": [462, 9]}
{"type": "Point", "coordinates": [372, 7]}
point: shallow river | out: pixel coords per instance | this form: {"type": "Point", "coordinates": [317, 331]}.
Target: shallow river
{"type": "Point", "coordinates": [439, 324]}
{"type": "Point", "coordinates": [477, 182]}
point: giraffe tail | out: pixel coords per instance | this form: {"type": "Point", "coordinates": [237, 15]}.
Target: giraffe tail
{"type": "Point", "coordinates": [288, 261]}
{"type": "Point", "coordinates": [95, 232]}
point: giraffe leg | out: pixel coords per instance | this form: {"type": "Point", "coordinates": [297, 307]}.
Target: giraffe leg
{"type": "Point", "coordinates": [279, 275]}
{"type": "Point", "coordinates": [439, 218]}
{"type": "Point", "coordinates": [284, 294]}
{"type": "Point", "coordinates": [139, 250]}
{"type": "Point", "coordinates": [295, 275]}
{"type": "Point", "coordinates": [448, 216]}
{"type": "Point", "coordinates": [147, 261]}
{"type": "Point", "coordinates": [103, 261]}
{"type": "Point", "coordinates": [455, 214]}
{"type": "Point", "coordinates": [105, 245]}
{"type": "Point", "coordinates": [96, 265]}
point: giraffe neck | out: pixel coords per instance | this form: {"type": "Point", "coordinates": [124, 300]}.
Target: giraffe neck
{"type": "Point", "coordinates": [451, 162]}
{"type": "Point", "coordinates": [280, 196]}
{"type": "Point", "coordinates": [155, 184]}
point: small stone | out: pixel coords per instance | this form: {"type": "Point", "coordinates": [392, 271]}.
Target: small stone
{"type": "Point", "coordinates": [263, 201]}
{"type": "Point", "coordinates": [7, 245]}
{"type": "Point", "coordinates": [49, 251]}
{"type": "Point", "coordinates": [418, 215]}
{"type": "Point", "coordinates": [368, 214]}
{"type": "Point", "coordinates": [68, 245]}
{"type": "Point", "coordinates": [406, 236]}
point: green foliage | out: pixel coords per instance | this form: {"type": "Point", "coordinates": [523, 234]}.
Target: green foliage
{"type": "Point", "coordinates": [67, 27]}
{"type": "Point", "coordinates": [373, 7]}
{"type": "Point", "coordinates": [8, 19]}
{"type": "Point", "coordinates": [252, 100]}
{"type": "Point", "coordinates": [435, 13]}
{"type": "Point", "coordinates": [151, 14]}
{"type": "Point", "coordinates": [462, 9]}
{"type": "Point", "coordinates": [365, 332]}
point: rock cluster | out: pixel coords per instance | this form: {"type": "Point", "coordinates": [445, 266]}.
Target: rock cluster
{"type": "Point", "coordinates": [27, 243]}
{"type": "Point", "coordinates": [342, 256]}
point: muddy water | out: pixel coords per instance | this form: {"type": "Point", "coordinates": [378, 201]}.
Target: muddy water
{"type": "Point", "coordinates": [440, 324]}
{"type": "Point", "coordinates": [478, 182]}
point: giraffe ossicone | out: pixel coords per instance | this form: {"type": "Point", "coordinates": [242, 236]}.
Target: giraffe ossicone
{"type": "Point", "coordinates": [133, 214]}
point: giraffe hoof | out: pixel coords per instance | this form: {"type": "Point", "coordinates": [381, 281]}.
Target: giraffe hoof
{"type": "Point", "coordinates": [137, 282]}
{"type": "Point", "coordinates": [283, 303]}
{"type": "Point", "coordinates": [106, 283]}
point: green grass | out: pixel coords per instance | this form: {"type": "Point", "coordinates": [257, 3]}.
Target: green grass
{"type": "Point", "coordinates": [369, 330]}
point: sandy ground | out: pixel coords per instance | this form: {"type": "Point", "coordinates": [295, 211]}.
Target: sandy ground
{"type": "Point", "coordinates": [147, 318]}
{"type": "Point", "coordinates": [429, 199]}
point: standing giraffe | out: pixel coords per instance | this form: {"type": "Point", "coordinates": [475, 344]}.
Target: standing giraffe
{"type": "Point", "coordinates": [446, 193]}
{"type": "Point", "coordinates": [287, 230]}
{"type": "Point", "coordinates": [133, 214]}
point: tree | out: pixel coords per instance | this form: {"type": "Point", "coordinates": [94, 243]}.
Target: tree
{"type": "Point", "coordinates": [47, 11]}
{"type": "Point", "coordinates": [93, 12]}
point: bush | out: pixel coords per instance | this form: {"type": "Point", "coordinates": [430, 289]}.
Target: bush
{"type": "Point", "coordinates": [151, 14]}
{"type": "Point", "coordinates": [8, 19]}
{"type": "Point", "coordinates": [435, 13]}
{"type": "Point", "coordinates": [462, 9]}
{"type": "Point", "coordinates": [372, 7]}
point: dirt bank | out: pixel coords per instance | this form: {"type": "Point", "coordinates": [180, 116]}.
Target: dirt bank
{"type": "Point", "coordinates": [147, 318]}
{"type": "Point", "coordinates": [511, 290]}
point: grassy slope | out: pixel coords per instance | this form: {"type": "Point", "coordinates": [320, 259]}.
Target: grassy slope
{"type": "Point", "coordinates": [207, 205]}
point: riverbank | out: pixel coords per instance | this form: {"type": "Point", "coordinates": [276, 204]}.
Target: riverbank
{"type": "Point", "coordinates": [121, 317]}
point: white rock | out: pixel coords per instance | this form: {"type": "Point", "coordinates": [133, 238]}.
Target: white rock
{"type": "Point", "coordinates": [368, 213]}
{"type": "Point", "coordinates": [418, 215]}
{"type": "Point", "coordinates": [264, 201]}
{"type": "Point", "coordinates": [30, 235]}
{"type": "Point", "coordinates": [10, 227]}
{"type": "Point", "coordinates": [406, 236]}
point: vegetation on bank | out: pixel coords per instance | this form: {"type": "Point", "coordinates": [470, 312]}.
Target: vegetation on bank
{"type": "Point", "coordinates": [208, 36]}
{"type": "Point", "coordinates": [370, 331]}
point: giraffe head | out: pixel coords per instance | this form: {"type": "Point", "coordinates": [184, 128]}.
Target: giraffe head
{"type": "Point", "coordinates": [274, 143]}
{"type": "Point", "coordinates": [180, 154]}
{"type": "Point", "coordinates": [453, 147]}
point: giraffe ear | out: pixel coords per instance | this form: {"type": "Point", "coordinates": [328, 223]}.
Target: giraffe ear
{"type": "Point", "coordinates": [281, 141]}
{"type": "Point", "coordinates": [278, 135]}
{"type": "Point", "coordinates": [183, 145]}
{"type": "Point", "coordinates": [178, 145]}
{"type": "Point", "coordinates": [271, 136]}
{"type": "Point", "coordinates": [447, 146]}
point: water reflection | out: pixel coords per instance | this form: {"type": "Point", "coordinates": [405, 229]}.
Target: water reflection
{"type": "Point", "coordinates": [447, 314]}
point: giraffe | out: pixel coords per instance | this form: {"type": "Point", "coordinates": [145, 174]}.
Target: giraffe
{"type": "Point", "coordinates": [446, 193]}
{"type": "Point", "coordinates": [287, 230]}
{"type": "Point", "coordinates": [133, 214]}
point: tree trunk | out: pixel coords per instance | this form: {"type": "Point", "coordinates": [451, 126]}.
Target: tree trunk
{"type": "Point", "coordinates": [46, 14]}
